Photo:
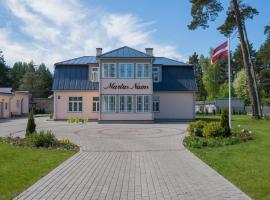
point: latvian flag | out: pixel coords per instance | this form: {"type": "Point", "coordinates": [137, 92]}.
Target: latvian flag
{"type": "Point", "coordinates": [220, 52]}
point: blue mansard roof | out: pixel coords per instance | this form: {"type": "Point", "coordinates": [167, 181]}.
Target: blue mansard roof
{"type": "Point", "coordinates": [73, 74]}
{"type": "Point", "coordinates": [176, 79]}
{"type": "Point", "coordinates": [84, 60]}
{"type": "Point", "coordinates": [125, 52]}
{"type": "Point", "coordinates": [72, 77]}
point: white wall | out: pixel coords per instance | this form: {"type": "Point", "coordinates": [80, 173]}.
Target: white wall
{"type": "Point", "coordinates": [176, 105]}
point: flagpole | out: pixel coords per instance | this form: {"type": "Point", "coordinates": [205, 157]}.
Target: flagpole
{"type": "Point", "coordinates": [229, 79]}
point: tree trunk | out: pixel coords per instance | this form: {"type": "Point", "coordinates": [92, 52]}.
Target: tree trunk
{"type": "Point", "coordinates": [253, 72]}
{"type": "Point", "coordinates": [250, 80]}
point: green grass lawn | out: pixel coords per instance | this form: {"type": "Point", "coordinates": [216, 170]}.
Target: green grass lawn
{"type": "Point", "coordinates": [20, 167]}
{"type": "Point", "coordinates": [247, 165]}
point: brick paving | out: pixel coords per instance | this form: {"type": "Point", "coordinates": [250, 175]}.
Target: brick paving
{"type": "Point", "coordinates": [128, 162]}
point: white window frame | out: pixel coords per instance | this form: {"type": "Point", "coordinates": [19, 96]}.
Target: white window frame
{"type": "Point", "coordinates": [157, 73]}
{"type": "Point", "coordinates": [125, 72]}
{"type": "Point", "coordinates": [94, 75]}
{"type": "Point", "coordinates": [143, 103]}
{"type": "Point", "coordinates": [143, 70]}
{"type": "Point", "coordinates": [109, 70]}
{"type": "Point", "coordinates": [125, 104]}
{"type": "Point", "coordinates": [77, 102]}
{"type": "Point", "coordinates": [96, 103]}
{"type": "Point", "coordinates": [153, 106]}
{"type": "Point", "coordinates": [110, 110]}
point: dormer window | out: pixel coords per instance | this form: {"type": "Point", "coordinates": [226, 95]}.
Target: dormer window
{"type": "Point", "coordinates": [94, 76]}
{"type": "Point", "coordinates": [155, 74]}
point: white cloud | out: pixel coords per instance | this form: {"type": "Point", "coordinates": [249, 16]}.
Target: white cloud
{"type": "Point", "coordinates": [61, 29]}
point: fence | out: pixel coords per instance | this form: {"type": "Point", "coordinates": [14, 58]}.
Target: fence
{"type": "Point", "coordinates": [265, 110]}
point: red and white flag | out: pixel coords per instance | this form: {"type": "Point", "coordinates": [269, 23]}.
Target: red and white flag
{"type": "Point", "coordinates": [220, 52]}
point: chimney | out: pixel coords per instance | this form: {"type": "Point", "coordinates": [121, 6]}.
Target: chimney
{"type": "Point", "coordinates": [98, 51]}
{"type": "Point", "coordinates": [149, 51]}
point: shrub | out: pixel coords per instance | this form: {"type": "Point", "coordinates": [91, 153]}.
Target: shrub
{"type": "Point", "coordinates": [85, 120]}
{"type": "Point", "coordinates": [51, 115]}
{"type": "Point", "coordinates": [224, 122]}
{"type": "Point", "coordinates": [42, 139]}
{"type": "Point", "coordinates": [244, 134]}
{"type": "Point", "coordinates": [66, 144]}
{"type": "Point", "coordinates": [77, 120]}
{"type": "Point", "coordinates": [196, 128]}
{"type": "Point", "coordinates": [31, 125]}
{"type": "Point", "coordinates": [200, 142]}
{"type": "Point", "coordinates": [212, 129]}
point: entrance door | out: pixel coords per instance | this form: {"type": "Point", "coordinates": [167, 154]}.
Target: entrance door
{"type": "Point", "coordinates": [22, 107]}
{"type": "Point", "coordinates": [1, 109]}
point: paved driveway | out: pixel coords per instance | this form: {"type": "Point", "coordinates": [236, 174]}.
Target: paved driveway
{"type": "Point", "coordinates": [119, 161]}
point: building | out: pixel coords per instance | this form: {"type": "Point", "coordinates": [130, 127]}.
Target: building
{"type": "Point", "coordinates": [13, 103]}
{"type": "Point", "coordinates": [124, 85]}
{"type": "Point", "coordinates": [220, 104]}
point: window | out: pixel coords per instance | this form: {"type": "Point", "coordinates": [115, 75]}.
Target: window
{"type": "Point", "coordinates": [18, 103]}
{"type": "Point", "coordinates": [143, 103]}
{"type": "Point", "coordinates": [125, 103]}
{"type": "Point", "coordinates": [155, 74]}
{"type": "Point", "coordinates": [108, 103]}
{"type": "Point", "coordinates": [94, 77]}
{"type": "Point", "coordinates": [6, 105]}
{"type": "Point", "coordinates": [95, 106]}
{"type": "Point", "coordinates": [125, 70]}
{"type": "Point", "coordinates": [108, 70]}
{"type": "Point", "coordinates": [156, 104]}
{"type": "Point", "coordinates": [143, 70]}
{"type": "Point", "coordinates": [75, 104]}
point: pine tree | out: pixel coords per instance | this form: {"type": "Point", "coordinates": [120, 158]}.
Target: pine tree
{"type": "Point", "coordinates": [201, 92]}
{"type": "Point", "coordinates": [204, 11]}
{"type": "Point", "coordinates": [31, 125]}
{"type": "Point", "coordinates": [224, 122]}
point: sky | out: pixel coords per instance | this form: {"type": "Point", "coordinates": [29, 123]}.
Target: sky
{"type": "Point", "coordinates": [50, 31]}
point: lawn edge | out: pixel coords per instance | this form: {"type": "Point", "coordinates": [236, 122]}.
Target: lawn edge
{"type": "Point", "coordinates": [24, 192]}
{"type": "Point", "coordinates": [248, 197]}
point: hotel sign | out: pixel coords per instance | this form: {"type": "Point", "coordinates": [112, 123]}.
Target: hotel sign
{"type": "Point", "coordinates": [122, 86]}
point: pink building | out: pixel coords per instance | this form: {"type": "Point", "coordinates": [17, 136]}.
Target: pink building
{"type": "Point", "coordinates": [13, 103]}
{"type": "Point", "coordinates": [124, 85]}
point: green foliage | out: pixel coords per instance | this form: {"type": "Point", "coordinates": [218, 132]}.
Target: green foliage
{"type": "Point", "coordinates": [224, 90]}
{"type": "Point", "coordinates": [42, 139]}
{"type": "Point", "coordinates": [4, 70]}
{"type": "Point", "coordinates": [238, 163]}
{"type": "Point", "coordinates": [202, 11]}
{"type": "Point", "coordinates": [17, 72]}
{"type": "Point", "coordinates": [211, 78]}
{"type": "Point", "coordinates": [73, 120]}
{"type": "Point", "coordinates": [213, 129]}
{"type": "Point", "coordinates": [51, 115]}
{"type": "Point", "coordinates": [246, 12]}
{"type": "Point", "coordinates": [196, 128]}
{"type": "Point", "coordinates": [201, 92]}
{"type": "Point", "coordinates": [237, 59]}
{"type": "Point", "coordinates": [38, 81]}
{"type": "Point", "coordinates": [31, 125]}
{"type": "Point", "coordinates": [21, 167]}
{"type": "Point", "coordinates": [85, 120]}
{"type": "Point", "coordinates": [200, 142]}
{"type": "Point", "coordinates": [240, 86]}
{"type": "Point", "coordinates": [224, 123]}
